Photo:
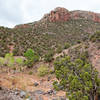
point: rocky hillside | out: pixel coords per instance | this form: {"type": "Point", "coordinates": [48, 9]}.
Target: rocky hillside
{"type": "Point", "coordinates": [52, 32]}
{"type": "Point", "coordinates": [62, 14]}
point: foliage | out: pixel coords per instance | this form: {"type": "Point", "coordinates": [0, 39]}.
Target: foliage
{"type": "Point", "coordinates": [19, 61]}
{"type": "Point", "coordinates": [78, 78]}
{"type": "Point", "coordinates": [2, 61]}
{"type": "Point", "coordinates": [49, 56]}
{"type": "Point", "coordinates": [56, 86]}
{"type": "Point", "coordinates": [31, 57]}
{"type": "Point", "coordinates": [9, 60]}
{"type": "Point", "coordinates": [43, 70]}
{"type": "Point", "coordinates": [78, 41]}
{"type": "Point", "coordinates": [67, 45]}
{"type": "Point", "coordinates": [42, 37]}
{"type": "Point", "coordinates": [95, 37]}
{"type": "Point", "coordinates": [59, 49]}
{"type": "Point", "coordinates": [30, 73]}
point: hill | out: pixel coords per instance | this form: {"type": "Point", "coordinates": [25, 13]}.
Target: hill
{"type": "Point", "coordinates": [59, 33]}
{"type": "Point", "coordinates": [50, 33]}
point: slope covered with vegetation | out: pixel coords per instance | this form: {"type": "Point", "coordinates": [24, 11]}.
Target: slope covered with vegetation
{"type": "Point", "coordinates": [45, 36]}
{"type": "Point", "coordinates": [62, 45]}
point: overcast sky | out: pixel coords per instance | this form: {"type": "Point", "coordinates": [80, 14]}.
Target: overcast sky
{"type": "Point", "coordinates": [13, 12]}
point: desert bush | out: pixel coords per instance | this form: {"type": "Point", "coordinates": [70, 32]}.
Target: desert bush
{"type": "Point", "coordinates": [67, 45]}
{"type": "Point", "coordinates": [78, 41]}
{"type": "Point", "coordinates": [56, 85]}
{"type": "Point", "coordinates": [59, 49]}
{"type": "Point", "coordinates": [30, 73]}
{"type": "Point", "coordinates": [19, 61]}
{"type": "Point", "coordinates": [43, 70]}
{"type": "Point", "coordinates": [78, 78]}
{"type": "Point", "coordinates": [31, 57]}
{"type": "Point", "coordinates": [95, 37]}
{"type": "Point", "coordinates": [49, 56]}
{"type": "Point", "coordinates": [2, 61]}
{"type": "Point", "coordinates": [9, 60]}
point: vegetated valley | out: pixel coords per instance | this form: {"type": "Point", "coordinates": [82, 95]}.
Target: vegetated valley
{"type": "Point", "coordinates": [55, 58]}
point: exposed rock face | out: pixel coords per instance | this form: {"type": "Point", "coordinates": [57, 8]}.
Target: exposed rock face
{"type": "Point", "coordinates": [59, 14]}
{"type": "Point", "coordinates": [62, 14]}
{"type": "Point", "coordinates": [85, 15]}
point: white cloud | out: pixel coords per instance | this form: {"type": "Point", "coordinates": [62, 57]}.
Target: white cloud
{"type": "Point", "coordinates": [22, 11]}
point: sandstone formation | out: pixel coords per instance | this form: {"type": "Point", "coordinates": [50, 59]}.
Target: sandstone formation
{"type": "Point", "coordinates": [85, 15]}
{"type": "Point", "coordinates": [62, 14]}
{"type": "Point", "coordinates": [59, 14]}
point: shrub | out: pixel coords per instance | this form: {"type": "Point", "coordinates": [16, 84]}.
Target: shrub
{"type": "Point", "coordinates": [43, 70]}
{"type": "Point", "coordinates": [56, 85]}
{"type": "Point", "coordinates": [9, 60]}
{"type": "Point", "coordinates": [19, 61]}
{"type": "Point", "coordinates": [59, 49]}
{"type": "Point", "coordinates": [78, 41]}
{"type": "Point", "coordinates": [2, 61]}
{"type": "Point", "coordinates": [30, 73]}
{"type": "Point", "coordinates": [31, 57]}
{"type": "Point", "coordinates": [66, 46]}
{"type": "Point", "coordinates": [78, 78]}
{"type": "Point", "coordinates": [49, 56]}
{"type": "Point", "coordinates": [95, 37]}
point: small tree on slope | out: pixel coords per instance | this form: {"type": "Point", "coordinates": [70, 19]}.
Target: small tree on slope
{"type": "Point", "coordinates": [79, 79]}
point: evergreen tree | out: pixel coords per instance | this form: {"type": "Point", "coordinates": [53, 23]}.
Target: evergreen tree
{"type": "Point", "coordinates": [78, 78]}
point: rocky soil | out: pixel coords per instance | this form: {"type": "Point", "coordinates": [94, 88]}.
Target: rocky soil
{"type": "Point", "coordinates": [28, 87]}
{"type": "Point", "coordinates": [8, 94]}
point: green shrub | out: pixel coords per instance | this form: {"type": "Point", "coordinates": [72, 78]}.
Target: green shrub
{"type": "Point", "coordinates": [43, 70]}
{"type": "Point", "coordinates": [19, 61]}
{"type": "Point", "coordinates": [30, 73]}
{"type": "Point", "coordinates": [95, 37]}
{"type": "Point", "coordinates": [9, 60]}
{"type": "Point", "coordinates": [59, 49]}
{"type": "Point", "coordinates": [2, 61]}
{"type": "Point", "coordinates": [31, 57]}
{"type": "Point", "coordinates": [67, 45]}
{"type": "Point", "coordinates": [56, 85]}
{"type": "Point", "coordinates": [78, 41]}
{"type": "Point", "coordinates": [49, 56]}
{"type": "Point", "coordinates": [79, 78]}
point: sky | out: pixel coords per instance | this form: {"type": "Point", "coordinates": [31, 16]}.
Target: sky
{"type": "Point", "coordinates": [14, 12]}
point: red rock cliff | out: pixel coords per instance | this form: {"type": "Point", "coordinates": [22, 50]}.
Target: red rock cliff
{"type": "Point", "coordinates": [59, 14]}
{"type": "Point", "coordinates": [62, 14]}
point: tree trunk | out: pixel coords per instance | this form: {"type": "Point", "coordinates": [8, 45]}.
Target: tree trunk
{"type": "Point", "coordinates": [92, 97]}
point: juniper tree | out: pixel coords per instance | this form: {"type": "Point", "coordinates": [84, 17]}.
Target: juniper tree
{"type": "Point", "coordinates": [78, 78]}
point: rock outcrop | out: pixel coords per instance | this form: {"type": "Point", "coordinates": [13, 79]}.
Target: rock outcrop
{"type": "Point", "coordinates": [22, 26]}
{"type": "Point", "coordinates": [59, 14]}
{"type": "Point", "coordinates": [62, 14]}
{"type": "Point", "coordinates": [85, 15]}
